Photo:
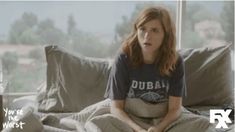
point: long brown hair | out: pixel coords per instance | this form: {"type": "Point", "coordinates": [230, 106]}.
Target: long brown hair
{"type": "Point", "coordinates": [167, 55]}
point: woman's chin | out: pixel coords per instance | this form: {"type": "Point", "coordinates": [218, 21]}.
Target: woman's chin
{"type": "Point", "coordinates": [148, 49]}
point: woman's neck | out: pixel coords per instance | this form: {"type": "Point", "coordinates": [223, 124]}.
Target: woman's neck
{"type": "Point", "coordinates": [148, 58]}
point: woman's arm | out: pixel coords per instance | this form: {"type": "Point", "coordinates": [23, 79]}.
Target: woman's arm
{"type": "Point", "coordinates": [117, 108]}
{"type": "Point", "coordinates": [174, 111]}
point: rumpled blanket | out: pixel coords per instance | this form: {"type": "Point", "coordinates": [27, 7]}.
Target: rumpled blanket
{"type": "Point", "coordinates": [97, 118]}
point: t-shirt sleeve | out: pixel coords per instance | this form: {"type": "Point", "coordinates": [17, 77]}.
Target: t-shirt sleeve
{"type": "Point", "coordinates": [177, 81]}
{"type": "Point", "coordinates": [117, 86]}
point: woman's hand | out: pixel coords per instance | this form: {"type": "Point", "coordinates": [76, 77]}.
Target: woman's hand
{"type": "Point", "coordinates": [154, 129]}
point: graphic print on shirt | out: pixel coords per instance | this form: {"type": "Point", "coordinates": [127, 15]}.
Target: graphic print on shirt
{"type": "Point", "coordinates": [148, 91]}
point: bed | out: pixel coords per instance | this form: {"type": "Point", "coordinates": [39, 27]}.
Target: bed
{"type": "Point", "coordinates": [72, 98]}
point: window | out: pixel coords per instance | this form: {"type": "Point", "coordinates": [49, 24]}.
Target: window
{"type": "Point", "coordinates": [81, 27]}
{"type": "Point", "coordinates": [207, 23]}
{"type": "Point", "coordinates": [91, 27]}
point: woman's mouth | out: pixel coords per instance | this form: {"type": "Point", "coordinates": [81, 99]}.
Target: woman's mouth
{"type": "Point", "coordinates": [147, 44]}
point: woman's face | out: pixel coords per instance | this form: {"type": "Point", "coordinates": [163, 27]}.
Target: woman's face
{"type": "Point", "coordinates": [150, 36]}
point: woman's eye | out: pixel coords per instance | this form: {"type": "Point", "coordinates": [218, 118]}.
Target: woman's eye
{"type": "Point", "coordinates": [155, 30]}
{"type": "Point", "coordinates": [142, 29]}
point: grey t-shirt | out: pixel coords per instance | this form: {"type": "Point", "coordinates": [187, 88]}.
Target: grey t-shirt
{"type": "Point", "coordinates": [144, 82]}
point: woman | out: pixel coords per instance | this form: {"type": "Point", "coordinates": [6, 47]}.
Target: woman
{"type": "Point", "coordinates": [148, 68]}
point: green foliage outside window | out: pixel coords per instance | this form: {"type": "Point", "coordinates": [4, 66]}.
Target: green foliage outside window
{"type": "Point", "coordinates": [29, 30]}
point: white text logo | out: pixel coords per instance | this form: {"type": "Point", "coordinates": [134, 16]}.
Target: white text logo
{"type": "Point", "coordinates": [222, 117]}
{"type": "Point", "coordinates": [12, 117]}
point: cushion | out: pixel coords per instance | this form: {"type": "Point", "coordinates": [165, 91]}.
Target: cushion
{"type": "Point", "coordinates": [20, 102]}
{"type": "Point", "coordinates": [208, 73]}
{"type": "Point", "coordinates": [73, 81]}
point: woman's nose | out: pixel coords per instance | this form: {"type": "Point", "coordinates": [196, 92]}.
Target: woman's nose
{"type": "Point", "coordinates": [146, 35]}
